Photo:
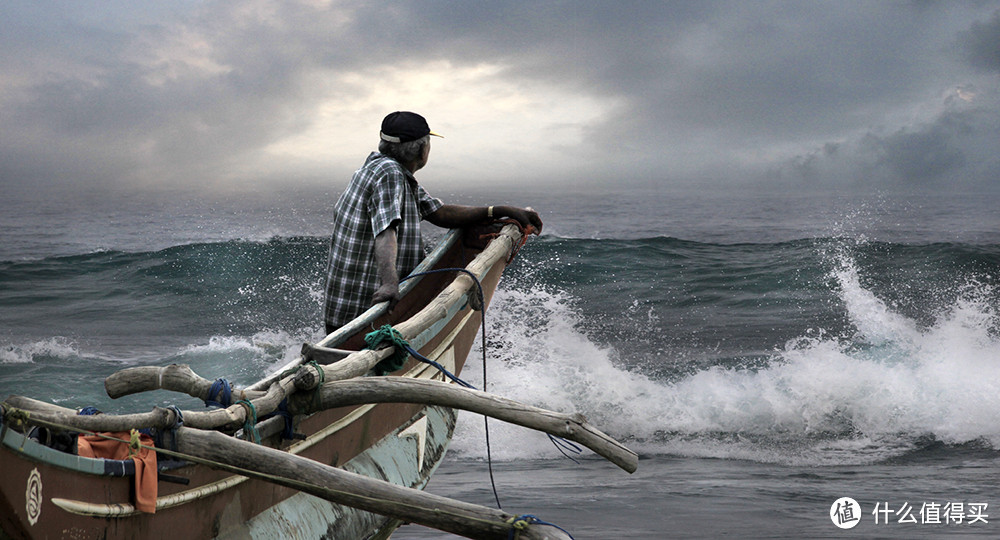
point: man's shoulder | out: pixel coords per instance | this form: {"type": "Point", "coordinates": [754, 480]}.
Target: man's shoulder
{"type": "Point", "coordinates": [376, 171]}
{"type": "Point", "coordinates": [382, 164]}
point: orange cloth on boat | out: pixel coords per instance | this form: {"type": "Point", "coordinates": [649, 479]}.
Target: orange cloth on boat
{"type": "Point", "coordinates": [145, 462]}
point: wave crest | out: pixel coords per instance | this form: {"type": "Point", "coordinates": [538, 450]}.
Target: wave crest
{"type": "Point", "coordinates": [887, 387]}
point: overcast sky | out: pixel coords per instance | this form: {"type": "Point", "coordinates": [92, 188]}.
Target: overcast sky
{"type": "Point", "coordinates": [180, 92]}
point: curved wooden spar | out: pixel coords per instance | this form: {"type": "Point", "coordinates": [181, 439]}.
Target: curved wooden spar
{"type": "Point", "coordinates": [361, 391]}
{"type": "Point", "coordinates": [355, 490]}
{"type": "Point", "coordinates": [430, 392]}
{"type": "Point", "coordinates": [175, 377]}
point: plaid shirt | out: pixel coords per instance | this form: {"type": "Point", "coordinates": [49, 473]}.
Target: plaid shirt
{"type": "Point", "coordinates": [380, 192]}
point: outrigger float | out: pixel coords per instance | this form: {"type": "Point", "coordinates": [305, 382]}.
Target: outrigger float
{"type": "Point", "coordinates": [321, 449]}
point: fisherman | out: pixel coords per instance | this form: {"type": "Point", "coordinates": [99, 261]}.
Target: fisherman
{"type": "Point", "coordinates": [376, 237]}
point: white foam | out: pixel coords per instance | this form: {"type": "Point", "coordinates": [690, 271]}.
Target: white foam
{"type": "Point", "coordinates": [821, 399]}
{"type": "Point", "coordinates": [58, 347]}
{"type": "Point", "coordinates": [269, 345]}
{"type": "Point", "coordinates": [870, 315]}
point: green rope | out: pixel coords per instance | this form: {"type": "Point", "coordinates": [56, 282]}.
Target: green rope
{"type": "Point", "coordinates": [395, 339]}
{"type": "Point", "coordinates": [317, 402]}
{"type": "Point", "coordinates": [295, 369]}
{"type": "Point", "coordinates": [250, 425]}
{"type": "Point", "coordinates": [289, 371]}
{"type": "Point", "coordinates": [319, 371]}
{"type": "Point", "coordinates": [519, 522]}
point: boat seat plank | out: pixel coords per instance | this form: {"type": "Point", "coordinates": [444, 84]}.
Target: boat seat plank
{"type": "Point", "coordinates": [323, 355]}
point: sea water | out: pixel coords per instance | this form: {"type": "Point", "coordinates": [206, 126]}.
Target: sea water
{"type": "Point", "coordinates": [765, 354]}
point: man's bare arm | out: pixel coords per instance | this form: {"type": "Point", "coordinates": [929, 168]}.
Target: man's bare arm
{"type": "Point", "coordinates": [451, 216]}
{"type": "Point", "coordinates": [386, 249]}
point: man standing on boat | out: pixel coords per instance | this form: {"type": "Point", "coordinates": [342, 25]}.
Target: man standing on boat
{"type": "Point", "coordinates": [376, 236]}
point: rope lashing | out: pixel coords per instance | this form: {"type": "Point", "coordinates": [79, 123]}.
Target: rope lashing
{"type": "Point", "coordinates": [134, 443]}
{"type": "Point", "coordinates": [480, 297]}
{"type": "Point", "coordinates": [388, 334]}
{"type": "Point", "coordinates": [316, 401]}
{"type": "Point", "coordinates": [178, 423]}
{"type": "Point", "coordinates": [224, 390]}
{"type": "Point", "coordinates": [403, 349]}
{"type": "Point", "coordinates": [250, 425]}
{"type": "Point", "coordinates": [289, 431]}
{"type": "Point", "coordinates": [516, 248]}
{"type": "Point", "coordinates": [320, 374]}
{"type": "Point", "coordinates": [178, 416]}
{"type": "Point", "coordinates": [521, 523]}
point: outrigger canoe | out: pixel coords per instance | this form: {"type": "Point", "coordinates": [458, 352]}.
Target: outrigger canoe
{"type": "Point", "coordinates": [322, 448]}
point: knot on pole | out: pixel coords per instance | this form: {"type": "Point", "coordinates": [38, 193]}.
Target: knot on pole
{"type": "Point", "coordinates": [388, 334]}
{"type": "Point", "coordinates": [250, 425]}
{"type": "Point", "coordinates": [521, 523]}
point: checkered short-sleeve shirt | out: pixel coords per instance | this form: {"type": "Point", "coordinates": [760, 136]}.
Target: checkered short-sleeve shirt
{"type": "Point", "coordinates": [380, 192]}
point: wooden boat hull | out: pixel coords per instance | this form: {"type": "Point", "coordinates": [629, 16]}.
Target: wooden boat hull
{"type": "Point", "coordinates": [45, 493]}
{"type": "Point", "coordinates": [413, 453]}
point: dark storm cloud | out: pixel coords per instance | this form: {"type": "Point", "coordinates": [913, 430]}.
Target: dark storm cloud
{"type": "Point", "coordinates": [106, 109]}
{"type": "Point", "coordinates": [957, 149]}
{"type": "Point", "coordinates": [737, 67]}
{"type": "Point", "coordinates": [982, 44]}
{"type": "Point", "coordinates": [92, 93]}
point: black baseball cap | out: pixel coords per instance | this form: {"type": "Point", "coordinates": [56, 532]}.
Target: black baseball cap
{"type": "Point", "coordinates": [404, 126]}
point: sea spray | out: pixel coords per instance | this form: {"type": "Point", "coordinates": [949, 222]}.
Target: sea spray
{"type": "Point", "coordinates": [538, 356]}
{"type": "Point", "coordinates": [883, 387]}
{"type": "Point", "coordinates": [54, 347]}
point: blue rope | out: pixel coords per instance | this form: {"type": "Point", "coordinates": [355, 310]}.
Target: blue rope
{"type": "Point", "coordinates": [178, 423]}
{"type": "Point", "coordinates": [486, 419]}
{"type": "Point", "coordinates": [479, 286]}
{"type": "Point", "coordinates": [521, 523]}
{"type": "Point", "coordinates": [178, 416]}
{"type": "Point", "coordinates": [439, 367]}
{"type": "Point", "coordinates": [282, 411]}
{"type": "Point", "coordinates": [480, 297]}
{"type": "Point", "coordinates": [93, 411]}
{"type": "Point", "coordinates": [224, 390]}
{"type": "Point", "coordinates": [565, 447]}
